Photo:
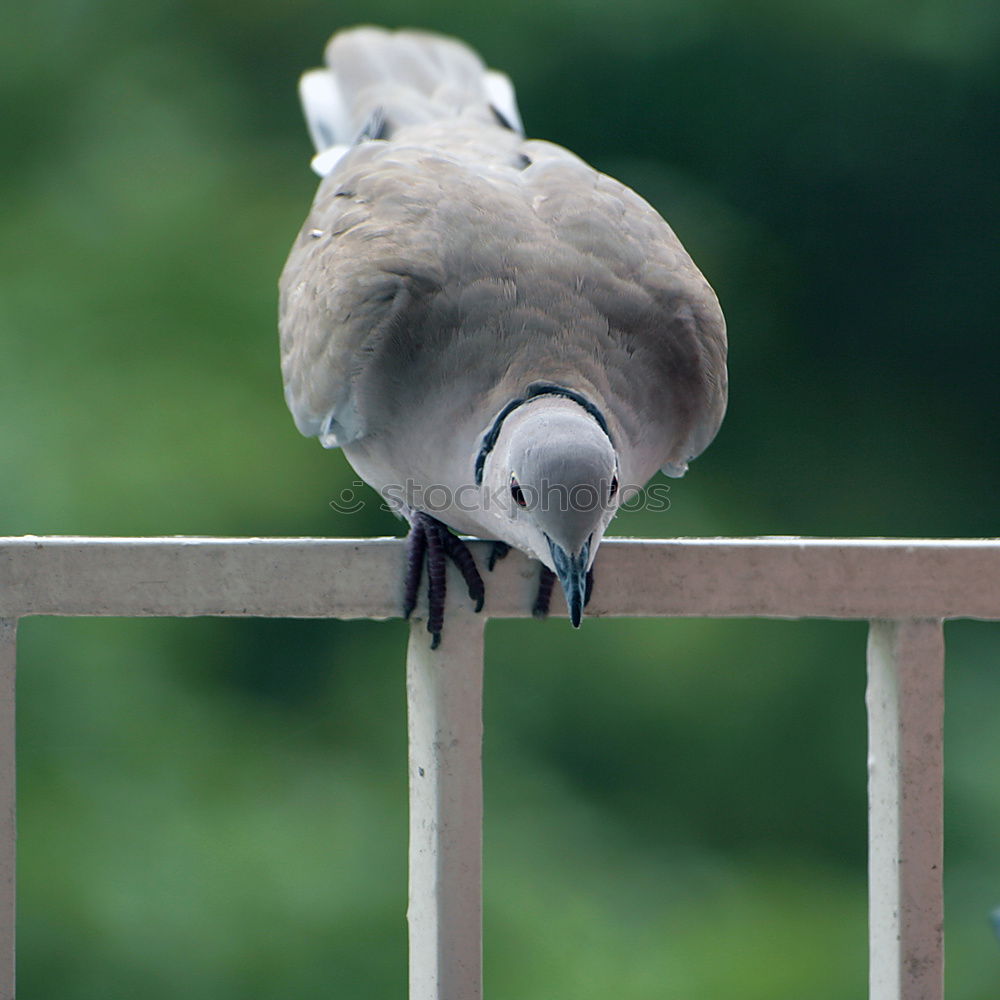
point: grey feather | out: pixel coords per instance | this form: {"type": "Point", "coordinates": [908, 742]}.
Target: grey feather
{"type": "Point", "coordinates": [450, 264]}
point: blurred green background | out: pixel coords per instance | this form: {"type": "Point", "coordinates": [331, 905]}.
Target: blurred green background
{"type": "Point", "coordinates": [675, 809]}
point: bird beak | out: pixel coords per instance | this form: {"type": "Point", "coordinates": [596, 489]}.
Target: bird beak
{"type": "Point", "coordinates": [572, 573]}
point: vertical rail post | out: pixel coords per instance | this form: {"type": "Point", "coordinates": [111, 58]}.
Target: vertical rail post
{"type": "Point", "coordinates": [444, 703]}
{"type": "Point", "coordinates": [8, 829]}
{"type": "Point", "coordinates": [905, 701]}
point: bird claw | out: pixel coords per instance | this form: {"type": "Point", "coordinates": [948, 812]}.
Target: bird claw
{"type": "Point", "coordinates": [543, 598]}
{"type": "Point", "coordinates": [460, 555]}
{"type": "Point", "coordinates": [416, 549]}
{"type": "Point", "coordinates": [432, 542]}
{"type": "Point", "coordinates": [498, 551]}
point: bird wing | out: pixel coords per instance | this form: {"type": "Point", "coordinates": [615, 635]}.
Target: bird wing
{"type": "Point", "coordinates": [667, 368]}
{"type": "Point", "coordinates": [382, 237]}
{"type": "Point", "coordinates": [498, 261]}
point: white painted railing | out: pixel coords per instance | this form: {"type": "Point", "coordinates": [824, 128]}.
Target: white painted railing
{"type": "Point", "coordinates": [905, 588]}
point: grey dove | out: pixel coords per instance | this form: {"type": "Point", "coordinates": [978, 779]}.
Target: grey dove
{"type": "Point", "coordinates": [502, 339]}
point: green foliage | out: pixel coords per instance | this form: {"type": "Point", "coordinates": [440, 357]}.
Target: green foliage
{"type": "Point", "coordinates": [674, 808]}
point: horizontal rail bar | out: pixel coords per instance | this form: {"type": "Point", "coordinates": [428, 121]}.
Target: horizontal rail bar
{"type": "Point", "coordinates": [360, 578]}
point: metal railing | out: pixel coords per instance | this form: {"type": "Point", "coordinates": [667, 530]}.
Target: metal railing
{"type": "Point", "coordinates": [906, 588]}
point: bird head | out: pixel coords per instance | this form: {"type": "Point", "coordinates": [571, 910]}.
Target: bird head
{"type": "Point", "coordinates": [552, 482]}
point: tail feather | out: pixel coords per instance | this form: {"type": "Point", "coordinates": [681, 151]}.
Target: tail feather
{"type": "Point", "coordinates": [327, 116]}
{"type": "Point", "coordinates": [501, 94]}
{"type": "Point", "coordinates": [401, 78]}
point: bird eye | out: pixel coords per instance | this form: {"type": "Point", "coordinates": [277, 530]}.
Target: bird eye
{"type": "Point", "coordinates": [614, 486]}
{"type": "Point", "coordinates": [517, 493]}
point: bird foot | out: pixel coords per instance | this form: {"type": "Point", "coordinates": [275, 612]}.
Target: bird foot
{"type": "Point", "coordinates": [543, 598]}
{"type": "Point", "coordinates": [432, 542]}
{"type": "Point", "coordinates": [498, 551]}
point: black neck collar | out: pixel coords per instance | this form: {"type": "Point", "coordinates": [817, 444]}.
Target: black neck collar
{"type": "Point", "coordinates": [533, 391]}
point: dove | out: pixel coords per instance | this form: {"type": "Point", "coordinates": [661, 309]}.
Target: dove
{"type": "Point", "coordinates": [504, 341]}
